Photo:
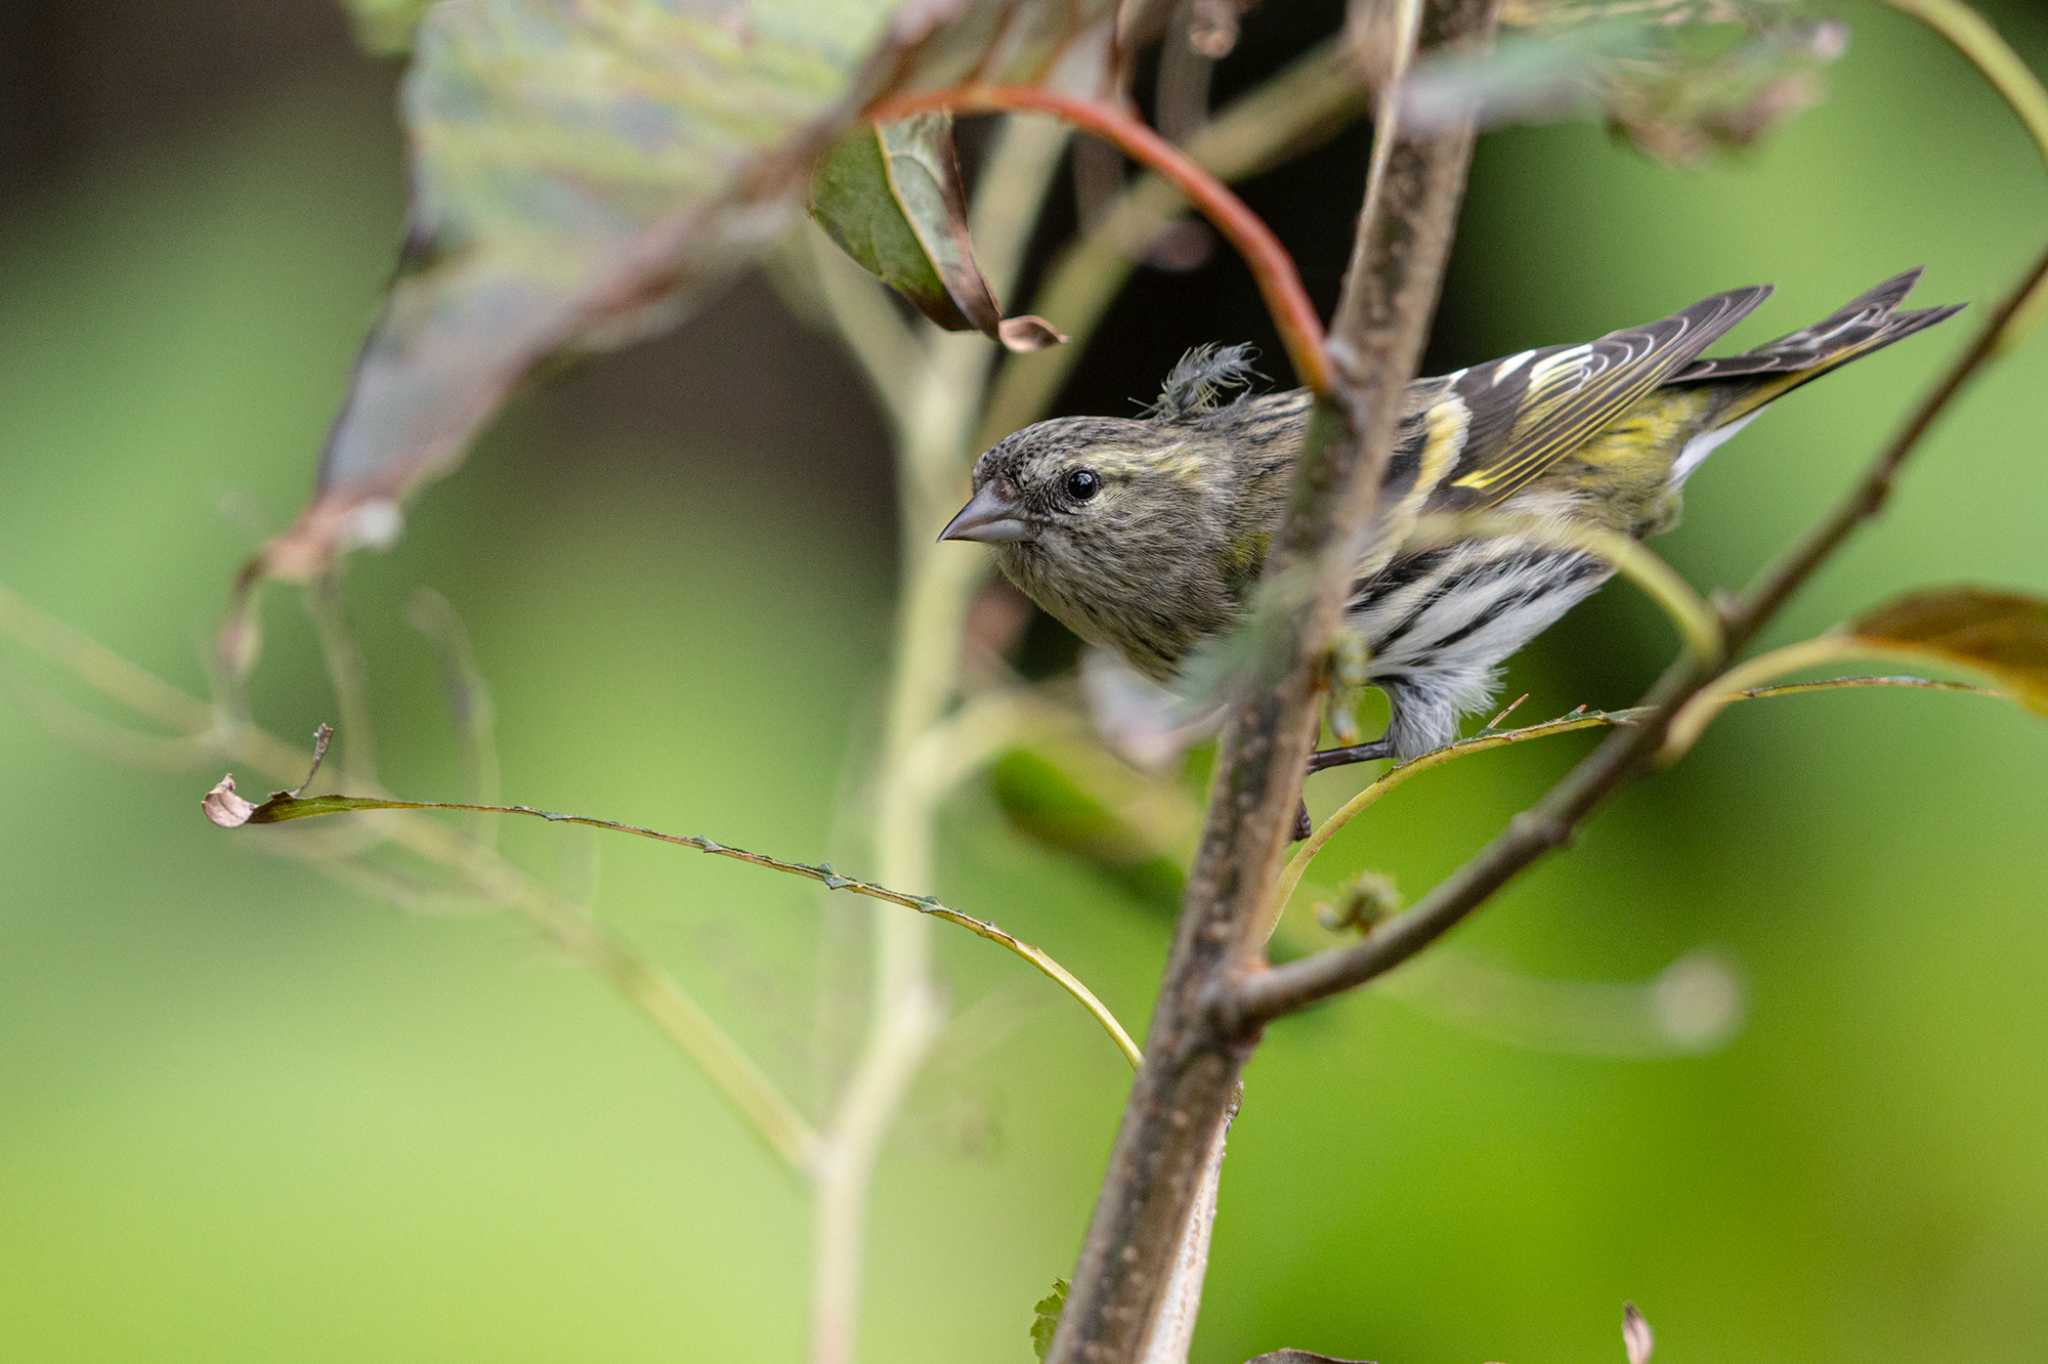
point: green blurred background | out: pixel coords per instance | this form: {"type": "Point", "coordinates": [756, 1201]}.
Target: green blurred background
{"type": "Point", "coordinates": [246, 1114]}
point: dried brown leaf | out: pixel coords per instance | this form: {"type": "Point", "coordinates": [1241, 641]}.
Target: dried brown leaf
{"type": "Point", "coordinates": [2002, 634]}
{"type": "Point", "coordinates": [224, 806]}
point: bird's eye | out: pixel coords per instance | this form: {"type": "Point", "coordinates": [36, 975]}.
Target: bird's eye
{"type": "Point", "coordinates": [1083, 484]}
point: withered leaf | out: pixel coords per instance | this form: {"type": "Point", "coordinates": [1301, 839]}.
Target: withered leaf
{"type": "Point", "coordinates": [2002, 634]}
{"type": "Point", "coordinates": [224, 806]}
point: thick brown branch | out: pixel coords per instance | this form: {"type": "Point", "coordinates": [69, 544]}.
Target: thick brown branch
{"type": "Point", "coordinates": [1550, 823]}
{"type": "Point", "coordinates": [1192, 1062]}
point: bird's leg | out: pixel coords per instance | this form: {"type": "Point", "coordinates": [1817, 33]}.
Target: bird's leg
{"type": "Point", "coordinates": [1336, 757]}
{"type": "Point", "coordinates": [1326, 758]}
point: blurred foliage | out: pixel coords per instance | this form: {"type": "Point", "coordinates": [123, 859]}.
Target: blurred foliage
{"type": "Point", "coordinates": [1679, 79]}
{"type": "Point", "coordinates": [580, 175]}
{"type": "Point", "coordinates": [257, 1116]}
{"type": "Point", "coordinates": [1041, 798]}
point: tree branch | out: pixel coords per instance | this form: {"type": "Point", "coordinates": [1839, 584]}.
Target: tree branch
{"type": "Point", "coordinates": [1190, 1075]}
{"type": "Point", "coordinates": [1736, 687]}
{"type": "Point", "coordinates": [907, 1009]}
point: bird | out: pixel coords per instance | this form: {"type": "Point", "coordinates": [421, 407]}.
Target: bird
{"type": "Point", "coordinates": [1148, 535]}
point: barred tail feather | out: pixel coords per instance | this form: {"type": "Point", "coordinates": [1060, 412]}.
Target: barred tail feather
{"type": "Point", "coordinates": [1865, 324]}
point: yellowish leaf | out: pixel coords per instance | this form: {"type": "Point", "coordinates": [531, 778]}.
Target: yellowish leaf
{"type": "Point", "coordinates": [2002, 634]}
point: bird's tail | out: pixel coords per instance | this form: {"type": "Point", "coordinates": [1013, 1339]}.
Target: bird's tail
{"type": "Point", "coordinates": [1866, 323]}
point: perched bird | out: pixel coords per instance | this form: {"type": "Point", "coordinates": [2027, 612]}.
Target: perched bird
{"type": "Point", "coordinates": [1147, 535]}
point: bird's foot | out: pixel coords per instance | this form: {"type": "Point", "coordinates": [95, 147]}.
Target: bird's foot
{"type": "Point", "coordinates": [1336, 757]}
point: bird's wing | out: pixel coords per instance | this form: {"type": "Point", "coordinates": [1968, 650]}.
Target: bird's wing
{"type": "Point", "coordinates": [1510, 419]}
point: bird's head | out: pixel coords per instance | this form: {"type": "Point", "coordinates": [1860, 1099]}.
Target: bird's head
{"type": "Point", "coordinates": [1115, 526]}
{"type": "Point", "coordinates": [1087, 493]}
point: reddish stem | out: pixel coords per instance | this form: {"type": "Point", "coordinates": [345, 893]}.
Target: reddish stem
{"type": "Point", "coordinates": [1301, 330]}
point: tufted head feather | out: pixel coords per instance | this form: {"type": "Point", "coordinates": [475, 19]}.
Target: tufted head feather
{"type": "Point", "coordinates": [1198, 382]}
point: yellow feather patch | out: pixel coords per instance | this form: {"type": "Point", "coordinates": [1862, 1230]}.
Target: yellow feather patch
{"type": "Point", "coordinates": [1445, 426]}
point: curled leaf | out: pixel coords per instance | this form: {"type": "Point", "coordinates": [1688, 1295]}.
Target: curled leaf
{"type": "Point", "coordinates": [224, 806]}
{"type": "Point", "coordinates": [891, 196]}
{"type": "Point", "coordinates": [2003, 634]}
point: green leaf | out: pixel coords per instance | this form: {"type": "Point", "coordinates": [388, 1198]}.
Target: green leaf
{"type": "Point", "coordinates": [583, 173]}
{"type": "Point", "coordinates": [2001, 634]}
{"type": "Point", "coordinates": [1680, 79]}
{"type": "Point", "coordinates": [1045, 1317]}
{"type": "Point", "coordinates": [891, 196]}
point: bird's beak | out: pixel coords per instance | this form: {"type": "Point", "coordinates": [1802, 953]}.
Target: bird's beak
{"type": "Point", "coordinates": [988, 517]}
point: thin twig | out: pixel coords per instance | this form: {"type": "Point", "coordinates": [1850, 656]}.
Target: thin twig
{"type": "Point", "coordinates": [752, 1095]}
{"type": "Point", "coordinates": [284, 808]}
{"type": "Point", "coordinates": [469, 700]}
{"type": "Point", "coordinates": [1745, 681]}
{"type": "Point", "coordinates": [1581, 719]}
{"type": "Point", "coordinates": [346, 671]}
{"type": "Point", "coordinates": [1180, 100]}
{"type": "Point", "coordinates": [906, 1011]}
{"type": "Point", "coordinates": [2002, 68]}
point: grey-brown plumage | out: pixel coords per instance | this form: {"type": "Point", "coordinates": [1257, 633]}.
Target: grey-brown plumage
{"type": "Point", "coordinates": [1147, 535]}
